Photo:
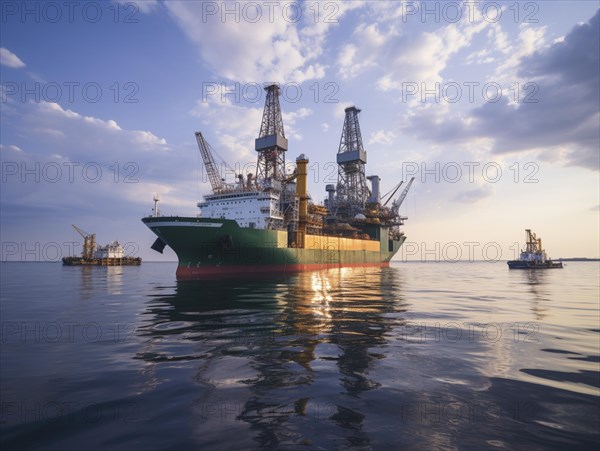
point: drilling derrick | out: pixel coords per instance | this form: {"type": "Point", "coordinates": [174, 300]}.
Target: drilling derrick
{"type": "Point", "coordinates": [352, 190]}
{"type": "Point", "coordinates": [271, 143]}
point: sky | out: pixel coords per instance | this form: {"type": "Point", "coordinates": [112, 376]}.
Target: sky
{"type": "Point", "coordinates": [493, 107]}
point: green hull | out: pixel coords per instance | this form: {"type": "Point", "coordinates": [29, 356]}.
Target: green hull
{"type": "Point", "coordinates": [213, 246]}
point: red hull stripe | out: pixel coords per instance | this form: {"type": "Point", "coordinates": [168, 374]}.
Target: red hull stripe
{"type": "Point", "coordinates": [192, 273]}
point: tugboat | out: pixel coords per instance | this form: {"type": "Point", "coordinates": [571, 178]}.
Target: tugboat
{"type": "Point", "coordinates": [533, 256]}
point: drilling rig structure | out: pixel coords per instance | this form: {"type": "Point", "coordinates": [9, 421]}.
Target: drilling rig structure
{"type": "Point", "coordinates": [272, 217]}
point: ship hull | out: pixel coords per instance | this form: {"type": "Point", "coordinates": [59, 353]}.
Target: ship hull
{"type": "Point", "coordinates": [520, 264]}
{"type": "Point", "coordinates": [219, 246]}
{"type": "Point", "coordinates": [80, 261]}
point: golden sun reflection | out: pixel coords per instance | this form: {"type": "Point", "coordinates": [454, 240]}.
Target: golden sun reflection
{"type": "Point", "coordinates": [321, 299]}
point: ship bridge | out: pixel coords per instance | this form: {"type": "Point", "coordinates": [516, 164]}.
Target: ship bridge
{"type": "Point", "coordinates": [252, 209]}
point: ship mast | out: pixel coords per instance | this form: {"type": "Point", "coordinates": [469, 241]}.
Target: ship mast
{"type": "Point", "coordinates": [271, 143]}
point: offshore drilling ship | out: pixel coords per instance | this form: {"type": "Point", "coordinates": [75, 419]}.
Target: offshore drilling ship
{"type": "Point", "coordinates": [268, 223]}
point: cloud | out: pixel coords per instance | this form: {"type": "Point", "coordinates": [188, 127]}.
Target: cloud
{"type": "Point", "coordinates": [50, 133]}
{"type": "Point", "coordinates": [52, 119]}
{"type": "Point", "coordinates": [230, 128]}
{"type": "Point", "coordinates": [144, 6]}
{"type": "Point", "coordinates": [382, 137]}
{"type": "Point", "coordinates": [422, 59]}
{"type": "Point", "coordinates": [497, 42]}
{"type": "Point", "coordinates": [575, 59]}
{"type": "Point", "coordinates": [474, 195]}
{"type": "Point", "coordinates": [8, 58]}
{"type": "Point", "coordinates": [364, 51]}
{"type": "Point", "coordinates": [247, 42]}
{"type": "Point", "coordinates": [11, 148]}
{"type": "Point", "coordinates": [290, 119]}
{"type": "Point", "coordinates": [385, 43]}
{"type": "Point", "coordinates": [558, 114]}
{"type": "Point", "coordinates": [529, 40]}
{"type": "Point", "coordinates": [93, 172]}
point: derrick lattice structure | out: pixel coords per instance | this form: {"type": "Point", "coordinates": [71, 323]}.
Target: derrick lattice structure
{"type": "Point", "coordinates": [271, 143]}
{"type": "Point", "coordinates": [352, 189]}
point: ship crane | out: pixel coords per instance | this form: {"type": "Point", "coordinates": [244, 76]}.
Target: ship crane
{"type": "Point", "coordinates": [392, 191]}
{"type": "Point", "coordinates": [209, 163]}
{"type": "Point", "coordinates": [396, 204]}
{"type": "Point", "coordinates": [89, 242]}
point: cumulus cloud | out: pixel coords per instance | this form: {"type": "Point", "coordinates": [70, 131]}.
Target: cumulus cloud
{"type": "Point", "coordinates": [382, 137]}
{"type": "Point", "coordinates": [52, 119]}
{"type": "Point", "coordinates": [230, 128]}
{"type": "Point", "coordinates": [529, 40]}
{"type": "Point", "coordinates": [422, 59]}
{"type": "Point", "coordinates": [559, 119]}
{"type": "Point", "coordinates": [364, 51]}
{"type": "Point", "coordinates": [8, 58]}
{"type": "Point", "coordinates": [290, 119]}
{"type": "Point", "coordinates": [247, 42]}
{"type": "Point", "coordinates": [54, 135]}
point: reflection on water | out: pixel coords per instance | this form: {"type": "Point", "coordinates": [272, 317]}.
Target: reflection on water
{"type": "Point", "coordinates": [326, 359]}
{"type": "Point", "coordinates": [114, 279]}
{"type": "Point", "coordinates": [109, 278]}
{"type": "Point", "coordinates": [415, 356]}
{"type": "Point", "coordinates": [539, 289]}
{"type": "Point", "coordinates": [288, 337]}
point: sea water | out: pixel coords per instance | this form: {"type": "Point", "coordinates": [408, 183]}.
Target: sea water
{"type": "Point", "coordinates": [415, 356]}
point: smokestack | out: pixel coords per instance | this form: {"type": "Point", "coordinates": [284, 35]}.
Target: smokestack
{"type": "Point", "coordinates": [375, 197]}
{"type": "Point", "coordinates": [301, 192]}
{"type": "Point", "coordinates": [331, 191]}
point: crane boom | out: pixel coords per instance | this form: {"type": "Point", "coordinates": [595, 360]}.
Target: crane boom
{"type": "Point", "coordinates": [396, 204]}
{"type": "Point", "coordinates": [89, 242]}
{"type": "Point", "coordinates": [83, 233]}
{"type": "Point", "coordinates": [394, 192]}
{"type": "Point", "coordinates": [209, 163]}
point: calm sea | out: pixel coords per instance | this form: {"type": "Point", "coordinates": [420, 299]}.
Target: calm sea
{"type": "Point", "coordinates": [419, 356]}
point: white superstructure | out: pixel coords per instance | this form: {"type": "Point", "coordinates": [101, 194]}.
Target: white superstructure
{"type": "Point", "coordinates": [251, 209]}
{"type": "Point", "coordinates": [112, 250]}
